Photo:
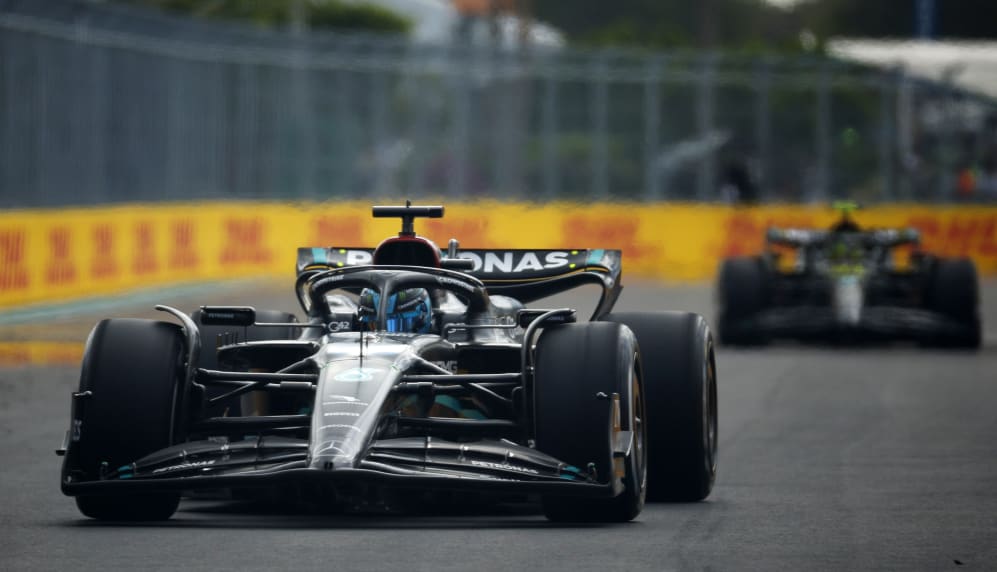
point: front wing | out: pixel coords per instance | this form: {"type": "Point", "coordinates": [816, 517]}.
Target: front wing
{"type": "Point", "coordinates": [410, 462]}
{"type": "Point", "coordinates": [876, 322]}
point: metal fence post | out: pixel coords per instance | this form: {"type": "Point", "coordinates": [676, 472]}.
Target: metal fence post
{"type": "Point", "coordinates": [762, 80]}
{"type": "Point", "coordinates": [945, 153]}
{"type": "Point", "coordinates": [220, 181]}
{"type": "Point", "coordinates": [822, 132]}
{"type": "Point", "coordinates": [42, 119]}
{"type": "Point", "coordinates": [300, 180]}
{"type": "Point", "coordinates": [548, 121]}
{"type": "Point", "coordinates": [904, 132]}
{"type": "Point", "coordinates": [379, 134]}
{"type": "Point", "coordinates": [176, 141]}
{"type": "Point", "coordinates": [457, 178]}
{"type": "Point", "coordinates": [342, 140]}
{"type": "Point", "coordinates": [16, 87]}
{"type": "Point", "coordinates": [887, 136]}
{"type": "Point", "coordinates": [97, 82]}
{"type": "Point", "coordinates": [600, 111]}
{"type": "Point", "coordinates": [7, 99]}
{"type": "Point", "coordinates": [246, 129]}
{"type": "Point", "coordinates": [705, 113]}
{"type": "Point", "coordinates": [652, 128]}
{"type": "Point", "coordinates": [418, 130]}
{"type": "Point", "coordinates": [507, 88]}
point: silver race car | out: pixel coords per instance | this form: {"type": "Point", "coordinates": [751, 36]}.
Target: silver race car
{"type": "Point", "coordinates": [415, 372]}
{"type": "Point", "coordinates": [844, 284]}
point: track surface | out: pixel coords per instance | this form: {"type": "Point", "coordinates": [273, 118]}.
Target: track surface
{"type": "Point", "coordinates": [863, 458]}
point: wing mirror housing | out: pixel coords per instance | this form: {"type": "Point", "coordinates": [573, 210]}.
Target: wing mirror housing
{"type": "Point", "coordinates": [526, 317]}
{"type": "Point", "coordinates": [452, 261]}
{"type": "Point", "coordinates": [457, 264]}
{"type": "Point", "coordinates": [228, 315]}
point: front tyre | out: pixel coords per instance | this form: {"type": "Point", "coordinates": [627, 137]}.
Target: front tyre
{"type": "Point", "coordinates": [954, 292]}
{"type": "Point", "coordinates": [680, 388]}
{"type": "Point", "coordinates": [741, 296]}
{"type": "Point", "coordinates": [131, 380]}
{"type": "Point", "coordinates": [133, 508]}
{"type": "Point", "coordinates": [578, 369]}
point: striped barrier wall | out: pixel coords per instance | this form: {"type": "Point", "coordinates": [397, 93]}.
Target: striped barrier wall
{"type": "Point", "coordinates": [61, 255]}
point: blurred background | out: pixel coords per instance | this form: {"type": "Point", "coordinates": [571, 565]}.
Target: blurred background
{"type": "Point", "coordinates": [716, 101]}
{"type": "Point", "coordinates": [147, 143]}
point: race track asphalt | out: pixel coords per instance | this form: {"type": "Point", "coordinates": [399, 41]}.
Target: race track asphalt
{"type": "Point", "coordinates": [830, 458]}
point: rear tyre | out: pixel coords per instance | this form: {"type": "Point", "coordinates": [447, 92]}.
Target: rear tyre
{"type": "Point", "coordinates": [954, 292]}
{"type": "Point", "coordinates": [741, 291]}
{"type": "Point", "coordinates": [680, 389]}
{"type": "Point", "coordinates": [574, 364]}
{"type": "Point", "coordinates": [133, 371]}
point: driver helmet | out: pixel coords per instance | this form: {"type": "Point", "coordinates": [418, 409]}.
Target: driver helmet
{"type": "Point", "coordinates": [409, 310]}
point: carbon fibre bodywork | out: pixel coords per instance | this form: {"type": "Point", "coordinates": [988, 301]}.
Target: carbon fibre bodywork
{"type": "Point", "coordinates": [357, 408]}
{"type": "Point", "coordinates": [845, 286]}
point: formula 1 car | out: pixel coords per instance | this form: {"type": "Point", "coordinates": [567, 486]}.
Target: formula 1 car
{"type": "Point", "coordinates": [416, 372]}
{"type": "Point", "coordinates": [845, 284]}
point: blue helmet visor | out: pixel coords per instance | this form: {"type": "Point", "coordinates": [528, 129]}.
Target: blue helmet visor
{"type": "Point", "coordinates": [413, 318]}
{"type": "Point", "coordinates": [397, 323]}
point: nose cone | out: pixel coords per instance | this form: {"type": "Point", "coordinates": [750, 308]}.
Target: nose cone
{"type": "Point", "coordinates": [848, 299]}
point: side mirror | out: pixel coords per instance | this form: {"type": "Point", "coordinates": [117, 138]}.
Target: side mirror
{"type": "Point", "coordinates": [526, 317]}
{"type": "Point", "coordinates": [457, 264]}
{"type": "Point", "coordinates": [452, 261]}
{"type": "Point", "coordinates": [228, 315]}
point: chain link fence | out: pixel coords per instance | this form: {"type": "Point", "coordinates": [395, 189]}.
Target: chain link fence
{"type": "Point", "coordinates": [99, 105]}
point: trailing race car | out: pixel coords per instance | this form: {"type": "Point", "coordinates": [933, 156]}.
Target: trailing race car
{"type": "Point", "coordinates": [845, 284]}
{"type": "Point", "coordinates": [415, 370]}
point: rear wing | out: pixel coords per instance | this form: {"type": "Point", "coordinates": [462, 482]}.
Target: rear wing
{"type": "Point", "coordinates": [524, 274]}
{"type": "Point", "coordinates": [802, 238]}
{"type": "Point", "coordinates": [795, 237]}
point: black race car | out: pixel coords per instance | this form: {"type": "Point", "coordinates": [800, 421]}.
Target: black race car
{"type": "Point", "coordinates": [844, 284]}
{"type": "Point", "coordinates": [415, 371]}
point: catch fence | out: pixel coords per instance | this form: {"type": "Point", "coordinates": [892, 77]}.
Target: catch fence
{"type": "Point", "coordinates": [98, 110]}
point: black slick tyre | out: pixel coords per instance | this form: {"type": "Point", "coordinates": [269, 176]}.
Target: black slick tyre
{"type": "Point", "coordinates": [954, 293]}
{"type": "Point", "coordinates": [131, 377]}
{"type": "Point", "coordinates": [741, 292]}
{"type": "Point", "coordinates": [680, 390]}
{"type": "Point", "coordinates": [578, 368]}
